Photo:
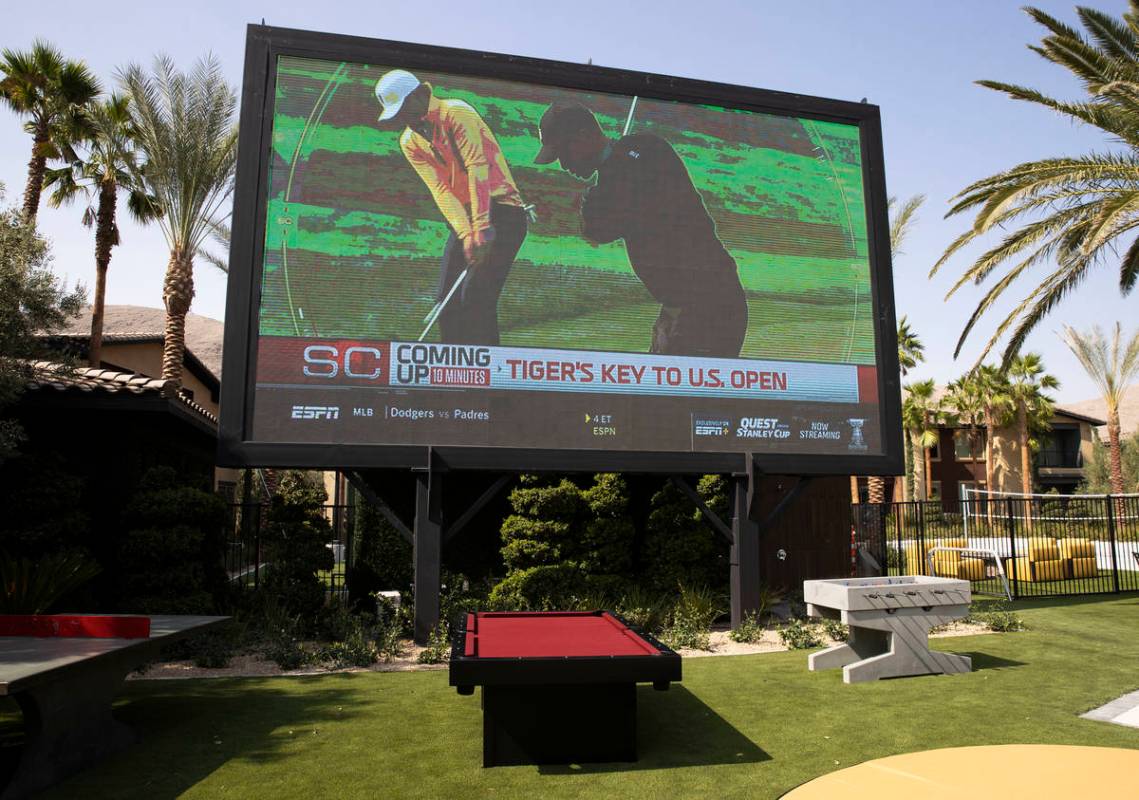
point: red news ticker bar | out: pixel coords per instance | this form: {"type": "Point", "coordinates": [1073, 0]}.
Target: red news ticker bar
{"type": "Point", "coordinates": [867, 384]}
{"type": "Point", "coordinates": [322, 362]}
{"type": "Point", "coordinates": [75, 626]}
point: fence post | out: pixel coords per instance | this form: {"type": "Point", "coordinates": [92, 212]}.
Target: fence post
{"type": "Point", "coordinates": [1110, 501]}
{"type": "Point", "coordinates": [1010, 524]}
{"type": "Point", "coordinates": [920, 549]}
{"type": "Point", "coordinates": [257, 548]}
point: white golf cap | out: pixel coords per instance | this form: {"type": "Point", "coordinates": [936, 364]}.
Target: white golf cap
{"type": "Point", "coordinates": [392, 89]}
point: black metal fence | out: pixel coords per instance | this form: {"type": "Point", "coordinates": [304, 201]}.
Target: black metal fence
{"type": "Point", "coordinates": [245, 556]}
{"type": "Point", "coordinates": [1045, 547]}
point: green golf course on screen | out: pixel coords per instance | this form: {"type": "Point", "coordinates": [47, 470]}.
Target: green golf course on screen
{"type": "Point", "coordinates": [354, 238]}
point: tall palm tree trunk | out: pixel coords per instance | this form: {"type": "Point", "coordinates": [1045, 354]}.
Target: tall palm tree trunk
{"type": "Point", "coordinates": [36, 168]}
{"type": "Point", "coordinates": [1025, 465]}
{"type": "Point", "coordinates": [919, 468]}
{"type": "Point", "coordinates": [104, 241]}
{"type": "Point", "coordinates": [177, 293]}
{"type": "Point", "coordinates": [1115, 451]}
{"type": "Point", "coordinates": [876, 489]}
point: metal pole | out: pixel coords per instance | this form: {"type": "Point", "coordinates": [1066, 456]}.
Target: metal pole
{"type": "Point", "coordinates": [744, 557]}
{"type": "Point", "coordinates": [1011, 527]}
{"type": "Point", "coordinates": [1111, 541]}
{"type": "Point", "coordinates": [427, 551]}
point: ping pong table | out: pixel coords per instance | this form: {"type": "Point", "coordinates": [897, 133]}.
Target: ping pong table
{"type": "Point", "coordinates": [65, 687]}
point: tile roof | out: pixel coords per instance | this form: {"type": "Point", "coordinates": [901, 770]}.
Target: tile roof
{"type": "Point", "coordinates": [141, 323]}
{"type": "Point", "coordinates": [61, 377]}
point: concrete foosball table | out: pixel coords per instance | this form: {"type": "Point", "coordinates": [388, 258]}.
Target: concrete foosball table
{"type": "Point", "coordinates": [889, 621]}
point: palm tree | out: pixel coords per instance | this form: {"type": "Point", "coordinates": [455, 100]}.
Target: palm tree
{"type": "Point", "coordinates": [910, 348]}
{"type": "Point", "coordinates": [185, 128]}
{"type": "Point", "coordinates": [109, 164]}
{"type": "Point", "coordinates": [964, 396]}
{"type": "Point", "coordinates": [911, 351]}
{"type": "Point", "coordinates": [1027, 383]}
{"type": "Point", "coordinates": [996, 406]}
{"type": "Point", "coordinates": [53, 93]}
{"type": "Point", "coordinates": [921, 413]}
{"type": "Point", "coordinates": [1112, 368]}
{"type": "Point", "coordinates": [1077, 210]}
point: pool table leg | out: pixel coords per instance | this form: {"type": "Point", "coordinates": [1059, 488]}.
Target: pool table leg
{"type": "Point", "coordinates": [565, 724]}
{"type": "Point", "coordinates": [68, 725]}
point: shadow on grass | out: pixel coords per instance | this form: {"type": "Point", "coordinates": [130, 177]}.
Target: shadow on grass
{"type": "Point", "coordinates": [1026, 603]}
{"type": "Point", "coordinates": [985, 661]}
{"type": "Point", "coordinates": [188, 729]}
{"type": "Point", "coordinates": [675, 729]}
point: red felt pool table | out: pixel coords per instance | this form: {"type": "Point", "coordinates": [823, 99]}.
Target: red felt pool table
{"type": "Point", "coordinates": [559, 687]}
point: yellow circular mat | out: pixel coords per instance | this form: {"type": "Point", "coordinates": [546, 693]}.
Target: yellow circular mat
{"type": "Point", "coordinates": [1009, 772]}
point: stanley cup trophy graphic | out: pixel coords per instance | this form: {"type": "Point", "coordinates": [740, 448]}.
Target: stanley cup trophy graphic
{"type": "Point", "coordinates": [856, 440]}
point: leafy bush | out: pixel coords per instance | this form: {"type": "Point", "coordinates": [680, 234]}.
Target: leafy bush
{"type": "Point", "coordinates": [294, 540]}
{"type": "Point", "coordinates": [749, 631]}
{"type": "Point", "coordinates": [214, 648]}
{"type": "Point", "coordinates": [438, 646]}
{"type": "Point", "coordinates": [33, 587]}
{"type": "Point", "coordinates": [381, 557]}
{"type": "Point", "coordinates": [679, 544]}
{"type": "Point", "coordinates": [692, 618]}
{"type": "Point", "coordinates": [170, 560]}
{"type": "Point", "coordinates": [799, 635]}
{"type": "Point", "coordinates": [549, 588]}
{"type": "Point", "coordinates": [836, 630]}
{"type": "Point", "coordinates": [1000, 618]}
{"type": "Point", "coordinates": [356, 649]}
{"type": "Point", "coordinates": [643, 608]}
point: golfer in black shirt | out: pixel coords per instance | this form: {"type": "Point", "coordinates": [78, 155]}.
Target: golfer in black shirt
{"type": "Point", "coordinates": [645, 196]}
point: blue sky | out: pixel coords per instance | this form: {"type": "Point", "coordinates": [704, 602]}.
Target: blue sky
{"type": "Point", "coordinates": [916, 59]}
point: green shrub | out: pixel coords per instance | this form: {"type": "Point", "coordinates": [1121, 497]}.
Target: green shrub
{"type": "Point", "coordinates": [438, 648]}
{"type": "Point", "coordinates": [356, 649]}
{"type": "Point", "coordinates": [836, 630]}
{"type": "Point", "coordinates": [799, 635]}
{"type": "Point", "coordinates": [683, 634]}
{"type": "Point", "coordinates": [295, 541]}
{"type": "Point", "coordinates": [549, 588]}
{"type": "Point", "coordinates": [170, 560]}
{"type": "Point", "coordinates": [1000, 618]}
{"type": "Point", "coordinates": [643, 608]}
{"type": "Point", "coordinates": [679, 545]}
{"type": "Point", "coordinates": [33, 586]}
{"type": "Point", "coordinates": [750, 630]}
{"type": "Point", "coordinates": [214, 648]}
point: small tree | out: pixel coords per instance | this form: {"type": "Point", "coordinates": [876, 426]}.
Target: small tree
{"type": "Point", "coordinates": [295, 542]}
{"type": "Point", "coordinates": [31, 301]}
{"type": "Point", "coordinates": [680, 546]}
{"type": "Point", "coordinates": [171, 558]}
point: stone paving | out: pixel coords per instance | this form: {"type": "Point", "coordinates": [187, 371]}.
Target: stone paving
{"type": "Point", "coordinates": [1122, 711]}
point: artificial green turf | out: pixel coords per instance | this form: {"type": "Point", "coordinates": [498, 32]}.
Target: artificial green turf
{"type": "Point", "coordinates": [742, 726]}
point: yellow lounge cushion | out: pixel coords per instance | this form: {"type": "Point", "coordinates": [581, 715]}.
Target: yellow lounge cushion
{"type": "Point", "coordinates": [1076, 548]}
{"type": "Point", "coordinates": [1043, 550]}
{"type": "Point", "coordinates": [946, 565]}
{"type": "Point", "coordinates": [1022, 569]}
{"type": "Point", "coordinates": [971, 569]}
{"type": "Point", "coordinates": [915, 559]}
{"type": "Point", "coordinates": [1056, 570]}
{"type": "Point", "coordinates": [1084, 568]}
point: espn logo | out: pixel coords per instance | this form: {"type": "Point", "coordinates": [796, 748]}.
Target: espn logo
{"type": "Point", "coordinates": [711, 426]}
{"type": "Point", "coordinates": [316, 412]}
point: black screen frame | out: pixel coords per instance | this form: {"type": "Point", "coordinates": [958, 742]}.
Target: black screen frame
{"type": "Point", "coordinates": [265, 44]}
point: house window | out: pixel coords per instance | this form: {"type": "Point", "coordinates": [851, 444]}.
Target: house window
{"type": "Point", "coordinates": [935, 490]}
{"type": "Point", "coordinates": [961, 448]}
{"type": "Point", "coordinates": [935, 451]}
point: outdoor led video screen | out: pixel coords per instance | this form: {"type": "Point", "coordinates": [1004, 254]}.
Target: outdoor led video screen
{"type": "Point", "coordinates": [457, 251]}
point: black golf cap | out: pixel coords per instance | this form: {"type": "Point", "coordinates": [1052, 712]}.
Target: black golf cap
{"type": "Point", "coordinates": [559, 122]}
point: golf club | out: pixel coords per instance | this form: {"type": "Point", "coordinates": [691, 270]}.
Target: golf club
{"type": "Point", "coordinates": [442, 304]}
